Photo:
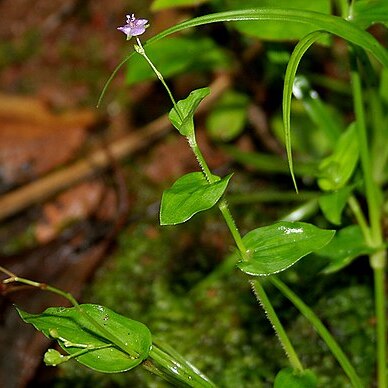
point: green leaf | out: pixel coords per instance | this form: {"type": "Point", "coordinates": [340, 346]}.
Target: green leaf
{"type": "Point", "coordinates": [273, 30]}
{"type": "Point", "coordinates": [274, 248]}
{"type": "Point", "coordinates": [227, 119]}
{"type": "Point", "coordinates": [336, 170]}
{"type": "Point", "coordinates": [347, 245]}
{"type": "Point", "coordinates": [157, 5]}
{"type": "Point", "coordinates": [190, 194]}
{"type": "Point", "coordinates": [288, 378]}
{"type": "Point", "coordinates": [368, 12]}
{"type": "Point", "coordinates": [333, 24]}
{"type": "Point", "coordinates": [289, 79]}
{"type": "Point", "coordinates": [332, 204]}
{"type": "Point", "coordinates": [177, 55]}
{"type": "Point", "coordinates": [74, 331]}
{"type": "Point", "coordinates": [183, 119]}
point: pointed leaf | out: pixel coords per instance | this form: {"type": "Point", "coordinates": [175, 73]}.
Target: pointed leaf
{"type": "Point", "coordinates": [73, 332]}
{"type": "Point", "coordinates": [347, 245]}
{"type": "Point", "coordinates": [190, 194]}
{"type": "Point", "coordinates": [288, 378]}
{"type": "Point", "coordinates": [274, 248]}
{"type": "Point", "coordinates": [337, 169]}
{"type": "Point", "coordinates": [183, 120]}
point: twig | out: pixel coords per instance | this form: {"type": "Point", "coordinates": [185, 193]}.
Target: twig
{"type": "Point", "coordinates": [45, 187]}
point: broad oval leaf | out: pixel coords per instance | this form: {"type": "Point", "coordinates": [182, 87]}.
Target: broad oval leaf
{"type": "Point", "coordinates": [183, 119]}
{"type": "Point", "coordinates": [274, 248]}
{"type": "Point", "coordinates": [72, 327]}
{"type": "Point", "coordinates": [189, 195]}
{"type": "Point", "coordinates": [289, 378]}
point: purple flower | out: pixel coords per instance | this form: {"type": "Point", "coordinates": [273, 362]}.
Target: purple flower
{"type": "Point", "coordinates": [134, 27]}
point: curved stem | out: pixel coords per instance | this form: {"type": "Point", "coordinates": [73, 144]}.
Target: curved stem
{"type": "Point", "coordinates": [321, 330]}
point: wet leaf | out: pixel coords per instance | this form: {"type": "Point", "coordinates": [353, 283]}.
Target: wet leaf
{"type": "Point", "coordinates": [75, 332]}
{"type": "Point", "coordinates": [274, 248]}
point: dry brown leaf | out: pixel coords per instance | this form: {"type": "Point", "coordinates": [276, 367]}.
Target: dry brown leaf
{"type": "Point", "coordinates": [33, 140]}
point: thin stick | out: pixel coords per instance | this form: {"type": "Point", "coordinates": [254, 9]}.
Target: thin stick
{"type": "Point", "coordinates": [45, 187]}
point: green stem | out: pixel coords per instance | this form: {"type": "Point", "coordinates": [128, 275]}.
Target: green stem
{"type": "Point", "coordinates": [366, 165]}
{"type": "Point", "coordinates": [273, 318]}
{"type": "Point", "coordinates": [201, 160]}
{"type": "Point", "coordinates": [256, 285]}
{"type": "Point", "coordinates": [258, 289]}
{"type": "Point", "coordinates": [356, 209]}
{"type": "Point", "coordinates": [321, 330]}
{"type": "Point", "coordinates": [381, 320]}
{"type": "Point", "coordinates": [223, 206]}
{"type": "Point", "coordinates": [140, 49]}
{"type": "Point", "coordinates": [377, 260]}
